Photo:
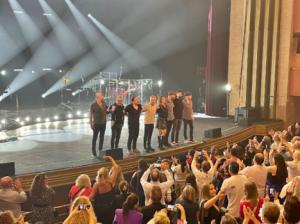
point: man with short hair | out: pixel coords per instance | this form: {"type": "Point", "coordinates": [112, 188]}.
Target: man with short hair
{"type": "Point", "coordinates": [257, 173]}
{"type": "Point", "coordinates": [233, 187]}
{"type": "Point", "coordinates": [170, 118]}
{"type": "Point", "coordinates": [150, 111]}
{"type": "Point", "coordinates": [188, 117]}
{"type": "Point", "coordinates": [98, 121]}
{"type": "Point", "coordinates": [117, 111]}
{"type": "Point", "coordinates": [154, 206]}
{"type": "Point", "coordinates": [269, 213]}
{"type": "Point", "coordinates": [178, 110]}
{"type": "Point", "coordinates": [155, 175]}
{"type": "Point", "coordinates": [12, 195]}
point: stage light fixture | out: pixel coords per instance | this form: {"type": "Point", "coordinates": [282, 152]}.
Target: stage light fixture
{"type": "Point", "coordinates": [69, 115]}
{"type": "Point", "coordinates": [47, 119]}
{"type": "Point", "coordinates": [102, 82]}
{"type": "Point", "coordinates": [78, 113]}
{"type": "Point", "coordinates": [27, 119]}
{"type": "Point", "coordinates": [18, 119]}
{"type": "Point", "coordinates": [47, 69]}
{"type": "Point", "coordinates": [38, 119]}
{"type": "Point", "coordinates": [18, 69]}
{"type": "Point", "coordinates": [85, 115]}
{"type": "Point", "coordinates": [22, 123]}
{"type": "Point", "coordinates": [56, 117]}
{"type": "Point", "coordinates": [47, 14]}
{"type": "Point", "coordinates": [160, 83]}
{"type": "Point", "coordinates": [3, 72]}
{"type": "Point", "coordinates": [18, 12]}
{"type": "Point", "coordinates": [32, 72]}
{"type": "Point", "coordinates": [3, 121]}
{"type": "Point", "coordinates": [60, 70]}
{"type": "Point", "coordinates": [228, 87]}
{"type": "Point", "coordinates": [43, 96]}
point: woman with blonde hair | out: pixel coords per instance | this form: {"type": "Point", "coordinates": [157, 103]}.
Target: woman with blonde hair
{"type": "Point", "coordinates": [103, 192]}
{"type": "Point", "coordinates": [294, 166]}
{"type": "Point", "coordinates": [8, 217]}
{"type": "Point", "coordinates": [190, 204]}
{"type": "Point", "coordinates": [82, 187]}
{"type": "Point", "coordinates": [82, 212]}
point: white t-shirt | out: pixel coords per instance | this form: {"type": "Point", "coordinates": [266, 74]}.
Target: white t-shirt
{"type": "Point", "coordinates": [293, 169]}
{"type": "Point", "coordinates": [234, 189]}
{"type": "Point", "coordinates": [258, 175]}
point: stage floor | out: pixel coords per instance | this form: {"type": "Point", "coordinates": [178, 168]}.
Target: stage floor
{"type": "Point", "coordinates": [67, 144]}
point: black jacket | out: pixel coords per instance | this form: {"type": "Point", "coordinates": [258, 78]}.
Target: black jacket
{"type": "Point", "coordinates": [178, 108]}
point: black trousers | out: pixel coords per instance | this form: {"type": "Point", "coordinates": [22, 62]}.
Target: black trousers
{"type": "Point", "coordinates": [116, 130]}
{"type": "Point", "coordinates": [189, 123]}
{"type": "Point", "coordinates": [176, 129]}
{"type": "Point", "coordinates": [148, 134]}
{"type": "Point", "coordinates": [169, 128]}
{"type": "Point", "coordinates": [98, 128]}
{"type": "Point", "coordinates": [133, 135]}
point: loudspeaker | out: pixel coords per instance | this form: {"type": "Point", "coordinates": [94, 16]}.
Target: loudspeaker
{"type": "Point", "coordinates": [117, 154]}
{"type": "Point", "coordinates": [213, 133]}
{"type": "Point", "coordinates": [246, 116]}
{"type": "Point", "coordinates": [7, 169]}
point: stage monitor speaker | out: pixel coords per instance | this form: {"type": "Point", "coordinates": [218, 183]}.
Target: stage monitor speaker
{"type": "Point", "coordinates": [213, 133]}
{"type": "Point", "coordinates": [117, 154]}
{"type": "Point", "coordinates": [7, 169]}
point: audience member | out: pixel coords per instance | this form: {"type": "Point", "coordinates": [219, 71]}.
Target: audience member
{"type": "Point", "coordinates": [9, 218]}
{"type": "Point", "coordinates": [211, 203]}
{"type": "Point", "coordinates": [42, 195]}
{"type": "Point", "coordinates": [234, 189]}
{"type": "Point", "coordinates": [121, 198]}
{"type": "Point", "coordinates": [129, 214]}
{"type": "Point", "coordinates": [82, 187]}
{"type": "Point", "coordinates": [180, 169]}
{"type": "Point", "coordinates": [269, 213]}
{"type": "Point", "coordinates": [12, 195]}
{"type": "Point", "coordinates": [190, 204]}
{"type": "Point", "coordinates": [160, 217]}
{"type": "Point", "coordinates": [82, 212]}
{"type": "Point", "coordinates": [257, 173]}
{"type": "Point", "coordinates": [294, 166]}
{"type": "Point", "coordinates": [291, 210]}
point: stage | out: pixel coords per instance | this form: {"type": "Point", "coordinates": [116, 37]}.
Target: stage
{"type": "Point", "coordinates": [66, 144]}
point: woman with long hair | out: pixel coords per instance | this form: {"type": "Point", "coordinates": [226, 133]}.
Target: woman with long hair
{"type": "Point", "coordinates": [211, 203]}
{"type": "Point", "coordinates": [190, 204]}
{"type": "Point", "coordinates": [82, 212]}
{"type": "Point", "coordinates": [122, 196]}
{"type": "Point", "coordinates": [277, 174]}
{"type": "Point", "coordinates": [42, 197]}
{"type": "Point", "coordinates": [191, 180]}
{"type": "Point", "coordinates": [129, 214]}
{"type": "Point", "coordinates": [251, 200]}
{"type": "Point", "coordinates": [135, 182]}
{"type": "Point", "coordinates": [103, 192]}
{"type": "Point", "coordinates": [180, 169]}
{"type": "Point", "coordinates": [161, 124]}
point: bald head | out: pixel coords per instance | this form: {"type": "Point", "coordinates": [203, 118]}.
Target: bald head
{"type": "Point", "coordinates": [6, 182]}
{"type": "Point", "coordinates": [259, 158]}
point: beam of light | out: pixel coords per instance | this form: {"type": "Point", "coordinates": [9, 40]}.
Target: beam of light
{"type": "Point", "coordinates": [8, 47]}
{"type": "Point", "coordinates": [18, 70]}
{"type": "Point", "coordinates": [29, 29]}
{"type": "Point", "coordinates": [61, 46]}
{"type": "Point", "coordinates": [102, 53]}
{"type": "Point", "coordinates": [69, 43]}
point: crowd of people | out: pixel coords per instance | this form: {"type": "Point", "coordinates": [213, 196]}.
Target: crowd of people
{"type": "Point", "coordinates": [171, 111]}
{"type": "Point", "coordinates": [253, 182]}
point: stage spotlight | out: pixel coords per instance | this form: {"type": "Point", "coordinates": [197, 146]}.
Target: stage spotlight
{"type": "Point", "coordinates": [27, 119]}
{"type": "Point", "coordinates": [90, 15]}
{"type": "Point", "coordinates": [78, 113]}
{"type": "Point", "coordinates": [18, 70]}
{"type": "Point", "coordinates": [69, 116]}
{"type": "Point", "coordinates": [18, 119]}
{"type": "Point", "coordinates": [47, 69]}
{"type": "Point", "coordinates": [85, 115]}
{"type": "Point", "coordinates": [56, 117]}
{"type": "Point", "coordinates": [43, 96]}
{"type": "Point", "coordinates": [60, 70]}
{"type": "Point", "coordinates": [228, 87]}
{"type": "Point", "coordinates": [32, 72]}
{"type": "Point", "coordinates": [18, 12]}
{"type": "Point", "coordinates": [102, 82]}
{"type": "Point", "coordinates": [47, 119]}
{"type": "Point", "coordinates": [22, 123]}
{"type": "Point", "coordinates": [3, 72]}
{"type": "Point", "coordinates": [160, 83]}
{"type": "Point", "coordinates": [3, 121]}
{"type": "Point", "coordinates": [38, 119]}
{"type": "Point", "coordinates": [47, 14]}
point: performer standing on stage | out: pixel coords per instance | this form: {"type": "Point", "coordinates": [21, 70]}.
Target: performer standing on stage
{"type": "Point", "coordinates": [170, 119]}
{"type": "Point", "coordinates": [150, 111]}
{"type": "Point", "coordinates": [178, 108]}
{"type": "Point", "coordinates": [161, 124]}
{"type": "Point", "coordinates": [117, 111]}
{"type": "Point", "coordinates": [98, 121]}
{"type": "Point", "coordinates": [133, 111]}
{"type": "Point", "coordinates": [188, 117]}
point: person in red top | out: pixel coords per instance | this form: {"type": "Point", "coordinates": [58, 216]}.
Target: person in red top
{"type": "Point", "coordinates": [251, 200]}
{"type": "Point", "coordinates": [82, 187]}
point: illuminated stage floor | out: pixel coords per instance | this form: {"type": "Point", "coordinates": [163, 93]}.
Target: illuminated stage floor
{"type": "Point", "coordinates": [66, 144]}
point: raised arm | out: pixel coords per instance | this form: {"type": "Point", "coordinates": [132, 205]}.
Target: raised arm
{"type": "Point", "coordinates": [115, 169]}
